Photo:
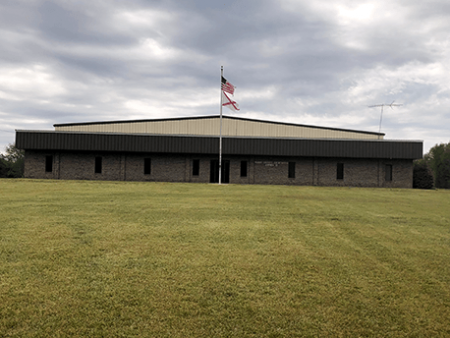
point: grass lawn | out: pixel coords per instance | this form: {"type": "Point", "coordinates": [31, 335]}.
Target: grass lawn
{"type": "Point", "coordinates": [114, 259]}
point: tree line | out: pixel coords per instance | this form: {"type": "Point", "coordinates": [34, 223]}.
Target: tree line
{"type": "Point", "coordinates": [433, 171]}
{"type": "Point", "coordinates": [11, 163]}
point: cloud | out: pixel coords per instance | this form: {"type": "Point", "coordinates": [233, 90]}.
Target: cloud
{"type": "Point", "coordinates": [310, 62]}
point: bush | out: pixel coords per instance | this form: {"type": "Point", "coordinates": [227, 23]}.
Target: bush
{"type": "Point", "coordinates": [422, 176]}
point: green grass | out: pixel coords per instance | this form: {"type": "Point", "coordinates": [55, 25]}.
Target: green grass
{"type": "Point", "coordinates": [110, 259]}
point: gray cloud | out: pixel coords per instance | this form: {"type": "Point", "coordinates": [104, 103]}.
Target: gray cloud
{"type": "Point", "coordinates": [297, 61]}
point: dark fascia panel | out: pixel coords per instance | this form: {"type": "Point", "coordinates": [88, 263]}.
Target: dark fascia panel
{"type": "Point", "coordinates": [140, 143]}
{"type": "Point", "coordinates": [215, 117]}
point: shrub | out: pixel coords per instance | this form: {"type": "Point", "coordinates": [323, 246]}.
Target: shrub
{"type": "Point", "coordinates": [422, 176]}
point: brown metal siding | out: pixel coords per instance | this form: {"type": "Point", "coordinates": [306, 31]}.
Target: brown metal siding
{"type": "Point", "coordinates": [210, 145]}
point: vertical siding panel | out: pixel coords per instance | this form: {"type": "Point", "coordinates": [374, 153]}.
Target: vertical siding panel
{"type": "Point", "coordinates": [140, 143]}
{"type": "Point", "coordinates": [64, 141]}
{"type": "Point", "coordinates": [45, 143]}
{"type": "Point", "coordinates": [80, 143]}
{"type": "Point", "coordinates": [133, 143]}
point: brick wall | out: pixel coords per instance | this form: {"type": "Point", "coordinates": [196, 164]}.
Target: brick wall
{"type": "Point", "coordinates": [357, 172]}
{"type": "Point", "coordinates": [164, 168]}
{"type": "Point", "coordinates": [81, 166]}
{"type": "Point", "coordinates": [402, 174]}
{"type": "Point", "coordinates": [235, 170]}
{"type": "Point", "coordinates": [179, 168]}
{"type": "Point", "coordinates": [275, 171]}
{"type": "Point", "coordinates": [204, 172]}
{"type": "Point", "coordinates": [34, 165]}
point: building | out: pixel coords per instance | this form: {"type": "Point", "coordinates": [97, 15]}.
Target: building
{"type": "Point", "coordinates": [187, 150]}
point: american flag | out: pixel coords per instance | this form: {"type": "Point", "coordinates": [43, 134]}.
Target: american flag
{"type": "Point", "coordinates": [227, 87]}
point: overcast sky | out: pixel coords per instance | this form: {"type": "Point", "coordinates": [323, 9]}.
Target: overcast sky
{"type": "Point", "coordinates": [309, 62]}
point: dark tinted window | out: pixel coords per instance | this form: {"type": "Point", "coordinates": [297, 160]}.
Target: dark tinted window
{"type": "Point", "coordinates": [98, 165]}
{"type": "Point", "coordinates": [49, 163]}
{"type": "Point", "coordinates": [388, 172]}
{"type": "Point", "coordinates": [243, 168]}
{"type": "Point", "coordinates": [147, 166]}
{"type": "Point", "coordinates": [340, 171]}
{"type": "Point", "coordinates": [195, 167]}
{"type": "Point", "coordinates": [291, 171]}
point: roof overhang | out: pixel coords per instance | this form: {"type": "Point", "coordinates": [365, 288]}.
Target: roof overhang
{"type": "Point", "coordinates": [174, 144]}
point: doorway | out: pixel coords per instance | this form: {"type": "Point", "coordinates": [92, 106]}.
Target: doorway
{"type": "Point", "coordinates": [214, 171]}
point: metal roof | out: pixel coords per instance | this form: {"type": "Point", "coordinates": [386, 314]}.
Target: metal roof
{"type": "Point", "coordinates": [214, 117]}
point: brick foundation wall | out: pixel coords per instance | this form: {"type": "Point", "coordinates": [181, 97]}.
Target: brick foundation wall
{"type": "Point", "coordinates": [179, 168]}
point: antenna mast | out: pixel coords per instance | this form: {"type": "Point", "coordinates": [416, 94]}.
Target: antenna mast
{"type": "Point", "coordinates": [381, 115]}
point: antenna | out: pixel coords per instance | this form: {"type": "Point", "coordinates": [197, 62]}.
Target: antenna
{"type": "Point", "coordinates": [381, 115]}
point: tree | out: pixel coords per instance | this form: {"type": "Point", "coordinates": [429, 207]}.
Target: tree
{"type": "Point", "coordinates": [12, 163]}
{"type": "Point", "coordinates": [438, 159]}
{"type": "Point", "coordinates": [422, 175]}
{"type": "Point", "coordinates": [3, 167]}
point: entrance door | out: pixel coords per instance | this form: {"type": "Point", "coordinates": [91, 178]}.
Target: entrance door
{"type": "Point", "coordinates": [214, 171]}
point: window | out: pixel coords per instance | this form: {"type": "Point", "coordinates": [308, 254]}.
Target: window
{"type": "Point", "coordinates": [98, 165]}
{"type": "Point", "coordinates": [291, 170]}
{"type": "Point", "coordinates": [243, 168]}
{"type": "Point", "coordinates": [340, 171]}
{"type": "Point", "coordinates": [388, 172]}
{"type": "Point", "coordinates": [195, 167]}
{"type": "Point", "coordinates": [49, 163]}
{"type": "Point", "coordinates": [147, 166]}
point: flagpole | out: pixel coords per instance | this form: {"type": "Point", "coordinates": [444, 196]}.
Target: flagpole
{"type": "Point", "coordinates": [220, 133]}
